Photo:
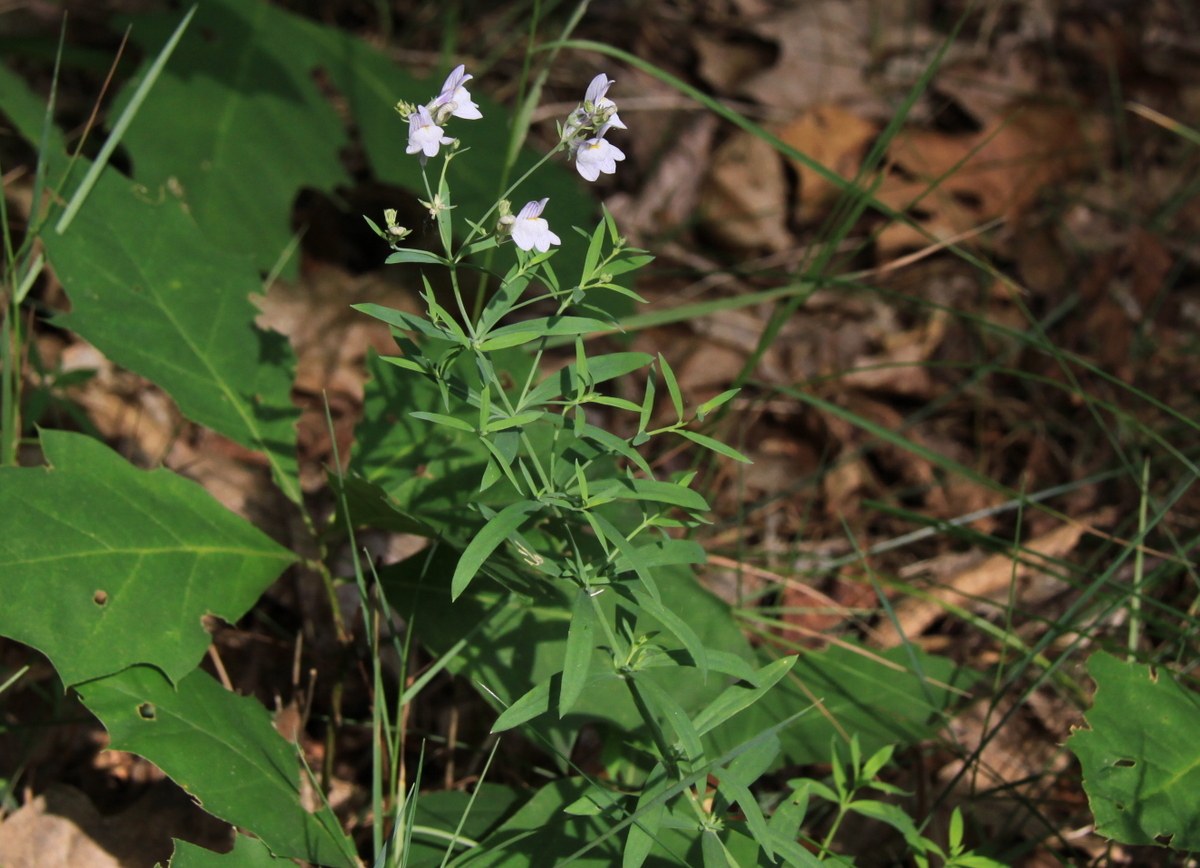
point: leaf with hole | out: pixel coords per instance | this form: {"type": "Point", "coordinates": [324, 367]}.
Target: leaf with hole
{"type": "Point", "coordinates": [1141, 755]}
{"type": "Point", "coordinates": [103, 566]}
{"type": "Point", "coordinates": [223, 749]}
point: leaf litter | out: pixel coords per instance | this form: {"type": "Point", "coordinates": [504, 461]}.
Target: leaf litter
{"type": "Point", "coordinates": [1074, 204]}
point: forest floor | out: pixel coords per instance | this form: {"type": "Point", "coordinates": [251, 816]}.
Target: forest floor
{"type": "Point", "coordinates": [954, 421]}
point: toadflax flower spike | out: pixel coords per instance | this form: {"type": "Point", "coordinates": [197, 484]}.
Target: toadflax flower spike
{"type": "Point", "coordinates": [593, 156]}
{"type": "Point", "coordinates": [454, 97]}
{"type": "Point", "coordinates": [423, 134]}
{"type": "Point", "coordinates": [530, 230]}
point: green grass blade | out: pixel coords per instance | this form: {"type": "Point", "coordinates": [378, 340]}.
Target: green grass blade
{"type": "Point", "coordinates": [123, 122]}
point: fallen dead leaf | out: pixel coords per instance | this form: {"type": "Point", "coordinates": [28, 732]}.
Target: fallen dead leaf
{"type": "Point", "coordinates": [949, 184]}
{"type": "Point", "coordinates": [836, 139]}
{"type": "Point", "coordinates": [330, 340]}
{"type": "Point", "coordinates": [898, 368]}
{"type": "Point", "coordinates": [670, 195]}
{"type": "Point", "coordinates": [823, 55]}
{"type": "Point", "coordinates": [991, 580]}
{"type": "Point", "coordinates": [61, 828]}
{"type": "Point", "coordinates": [744, 198]}
{"type": "Point", "coordinates": [725, 63]}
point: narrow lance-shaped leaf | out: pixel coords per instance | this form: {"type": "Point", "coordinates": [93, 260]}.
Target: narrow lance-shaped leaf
{"type": "Point", "coordinates": [713, 403]}
{"type": "Point", "coordinates": [680, 628]}
{"type": "Point", "coordinates": [606, 530]}
{"type": "Point", "coordinates": [551, 326]}
{"type": "Point", "coordinates": [647, 409]}
{"type": "Point", "coordinates": [647, 817]}
{"type": "Point", "coordinates": [593, 252]}
{"type": "Point", "coordinates": [672, 385]}
{"type": "Point", "coordinates": [487, 540]}
{"type": "Point", "coordinates": [738, 698]}
{"type": "Point", "coordinates": [665, 703]}
{"type": "Point", "coordinates": [422, 257]}
{"type": "Point", "coordinates": [712, 851]}
{"type": "Point", "coordinates": [400, 319]}
{"type": "Point", "coordinates": [715, 445]}
{"type": "Point", "coordinates": [578, 657]}
{"type": "Point", "coordinates": [538, 700]}
{"type": "Point", "coordinates": [599, 370]}
{"type": "Point", "coordinates": [734, 785]}
{"type": "Point", "coordinates": [442, 419]}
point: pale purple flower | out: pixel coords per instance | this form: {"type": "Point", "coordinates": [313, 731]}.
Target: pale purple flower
{"type": "Point", "coordinates": [530, 230]}
{"type": "Point", "coordinates": [455, 97]}
{"type": "Point", "coordinates": [423, 134]}
{"type": "Point", "coordinates": [596, 155]}
{"type": "Point", "coordinates": [603, 107]}
{"type": "Point", "coordinates": [596, 109]}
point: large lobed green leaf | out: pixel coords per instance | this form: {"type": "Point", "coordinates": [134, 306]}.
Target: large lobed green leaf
{"type": "Point", "coordinates": [223, 749]}
{"type": "Point", "coordinates": [238, 121]}
{"type": "Point", "coordinates": [246, 853]}
{"type": "Point", "coordinates": [1141, 755]}
{"type": "Point", "coordinates": [103, 565]}
{"type": "Point", "coordinates": [154, 296]}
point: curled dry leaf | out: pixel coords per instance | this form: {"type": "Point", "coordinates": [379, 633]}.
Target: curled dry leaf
{"type": "Point", "coordinates": [950, 184]}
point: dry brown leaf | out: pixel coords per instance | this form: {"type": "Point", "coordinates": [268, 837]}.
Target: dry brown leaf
{"type": "Point", "coordinates": [898, 368]}
{"type": "Point", "coordinates": [670, 195]}
{"type": "Point", "coordinates": [61, 828]}
{"type": "Point", "coordinates": [1116, 294]}
{"type": "Point", "coordinates": [725, 63]}
{"type": "Point", "coordinates": [744, 197]}
{"type": "Point", "coordinates": [823, 55]}
{"type": "Point", "coordinates": [991, 580]}
{"type": "Point", "coordinates": [330, 340]}
{"type": "Point", "coordinates": [1015, 758]}
{"type": "Point", "coordinates": [836, 139]}
{"type": "Point", "coordinates": [710, 367]}
{"type": "Point", "coordinates": [950, 184]}
{"type": "Point", "coordinates": [844, 484]}
{"type": "Point", "coordinates": [986, 84]}
{"type": "Point", "coordinates": [959, 496]}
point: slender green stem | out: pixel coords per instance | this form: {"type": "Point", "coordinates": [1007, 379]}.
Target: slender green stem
{"type": "Point", "coordinates": [1135, 599]}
